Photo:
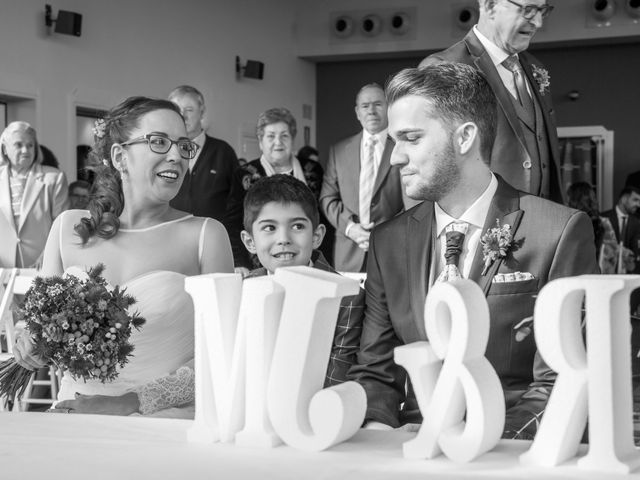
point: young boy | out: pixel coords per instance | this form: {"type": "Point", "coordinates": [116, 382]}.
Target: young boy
{"type": "Point", "coordinates": [283, 229]}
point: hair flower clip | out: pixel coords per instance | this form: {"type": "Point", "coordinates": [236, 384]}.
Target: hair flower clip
{"type": "Point", "coordinates": [99, 128]}
{"type": "Point", "coordinates": [495, 244]}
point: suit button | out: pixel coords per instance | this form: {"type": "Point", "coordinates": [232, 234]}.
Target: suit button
{"type": "Point", "coordinates": [527, 164]}
{"type": "Point", "coordinates": [539, 137]}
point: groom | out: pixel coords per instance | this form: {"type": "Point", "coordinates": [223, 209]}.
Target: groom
{"type": "Point", "coordinates": [442, 118]}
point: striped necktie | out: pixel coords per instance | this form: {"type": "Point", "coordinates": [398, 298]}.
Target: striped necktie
{"type": "Point", "coordinates": [367, 179]}
{"type": "Point", "coordinates": [513, 65]}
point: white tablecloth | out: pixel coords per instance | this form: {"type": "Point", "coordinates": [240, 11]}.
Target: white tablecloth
{"type": "Point", "coordinates": [92, 447]}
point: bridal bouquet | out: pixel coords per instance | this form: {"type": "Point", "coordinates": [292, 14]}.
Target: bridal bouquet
{"type": "Point", "coordinates": [79, 323]}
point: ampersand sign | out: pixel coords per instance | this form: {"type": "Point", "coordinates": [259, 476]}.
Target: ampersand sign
{"type": "Point", "coordinates": [451, 376]}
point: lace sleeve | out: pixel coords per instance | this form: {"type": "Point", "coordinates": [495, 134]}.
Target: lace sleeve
{"type": "Point", "coordinates": [170, 391]}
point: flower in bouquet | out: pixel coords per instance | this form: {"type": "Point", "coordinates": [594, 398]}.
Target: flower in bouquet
{"type": "Point", "coordinates": [78, 323]}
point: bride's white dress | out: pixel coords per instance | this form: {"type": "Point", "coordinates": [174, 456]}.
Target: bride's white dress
{"type": "Point", "coordinates": [161, 346]}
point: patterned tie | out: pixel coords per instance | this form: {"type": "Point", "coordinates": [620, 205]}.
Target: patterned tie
{"type": "Point", "coordinates": [513, 65]}
{"type": "Point", "coordinates": [367, 179]}
{"type": "Point", "coordinates": [455, 233]}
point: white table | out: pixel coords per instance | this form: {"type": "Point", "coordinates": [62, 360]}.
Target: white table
{"type": "Point", "coordinates": [92, 447]}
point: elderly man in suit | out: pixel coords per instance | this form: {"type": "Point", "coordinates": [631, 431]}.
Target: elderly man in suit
{"type": "Point", "coordinates": [360, 188]}
{"type": "Point", "coordinates": [32, 195]}
{"type": "Point", "coordinates": [207, 184]}
{"type": "Point", "coordinates": [442, 118]}
{"type": "Point", "coordinates": [525, 152]}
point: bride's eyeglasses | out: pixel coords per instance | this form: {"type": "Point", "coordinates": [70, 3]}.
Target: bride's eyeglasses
{"type": "Point", "coordinates": [159, 143]}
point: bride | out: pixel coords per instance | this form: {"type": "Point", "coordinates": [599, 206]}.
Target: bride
{"type": "Point", "coordinates": [148, 247]}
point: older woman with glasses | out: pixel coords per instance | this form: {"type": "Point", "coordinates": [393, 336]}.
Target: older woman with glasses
{"type": "Point", "coordinates": [276, 131]}
{"type": "Point", "coordinates": [142, 152]}
{"type": "Point", "coordinates": [32, 195]}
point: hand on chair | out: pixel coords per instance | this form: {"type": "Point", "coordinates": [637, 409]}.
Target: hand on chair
{"type": "Point", "coordinates": [24, 352]}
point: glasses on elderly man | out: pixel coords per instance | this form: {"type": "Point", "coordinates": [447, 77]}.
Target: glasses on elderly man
{"type": "Point", "coordinates": [160, 143]}
{"type": "Point", "coordinates": [529, 10]}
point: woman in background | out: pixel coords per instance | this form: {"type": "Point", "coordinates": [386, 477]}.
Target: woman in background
{"type": "Point", "coordinates": [276, 131]}
{"type": "Point", "coordinates": [32, 195]}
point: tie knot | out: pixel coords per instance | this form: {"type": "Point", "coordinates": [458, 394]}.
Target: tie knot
{"type": "Point", "coordinates": [511, 63]}
{"type": "Point", "coordinates": [455, 233]}
{"type": "Point", "coordinates": [372, 141]}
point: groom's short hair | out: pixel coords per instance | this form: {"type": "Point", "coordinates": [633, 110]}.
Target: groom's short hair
{"type": "Point", "coordinates": [459, 93]}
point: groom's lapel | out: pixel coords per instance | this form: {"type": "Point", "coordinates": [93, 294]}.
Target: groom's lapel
{"type": "Point", "coordinates": [419, 239]}
{"type": "Point", "coordinates": [504, 207]}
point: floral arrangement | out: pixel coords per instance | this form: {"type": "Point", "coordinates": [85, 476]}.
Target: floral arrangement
{"type": "Point", "coordinates": [81, 325]}
{"type": "Point", "coordinates": [495, 244]}
{"type": "Point", "coordinates": [99, 128]}
{"type": "Point", "coordinates": [542, 78]}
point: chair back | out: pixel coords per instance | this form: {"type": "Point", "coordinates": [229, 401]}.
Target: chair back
{"type": "Point", "coordinates": [13, 281]}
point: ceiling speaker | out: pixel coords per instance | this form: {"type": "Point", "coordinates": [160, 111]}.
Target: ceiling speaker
{"type": "Point", "coordinates": [399, 23]}
{"type": "Point", "coordinates": [371, 25]}
{"type": "Point", "coordinates": [342, 26]}
{"type": "Point", "coordinates": [632, 7]}
{"type": "Point", "coordinates": [466, 17]}
{"type": "Point", "coordinates": [603, 9]}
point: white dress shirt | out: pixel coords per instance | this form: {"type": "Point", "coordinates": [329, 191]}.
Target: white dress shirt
{"type": "Point", "coordinates": [498, 56]}
{"type": "Point", "coordinates": [377, 157]}
{"type": "Point", "coordinates": [622, 218]}
{"type": "Point", "coordinates": [475, 216]}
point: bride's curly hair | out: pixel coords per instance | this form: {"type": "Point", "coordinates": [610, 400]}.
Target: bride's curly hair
{"type": "Point", "coordinates": [106, 198]}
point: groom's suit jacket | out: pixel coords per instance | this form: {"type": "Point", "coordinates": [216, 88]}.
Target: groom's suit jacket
{"type": "Point", "coordinates": [339, 198]}
{"type": "Point", "coordinates": [45, 197]}
{"type": "Point", "coordinates": [550, 241]}
{"type": "Point", "coordinates": [527, 156]}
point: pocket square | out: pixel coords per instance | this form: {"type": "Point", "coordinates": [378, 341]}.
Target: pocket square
{"type": "Point", "coordinates": [212, 171]}
{"type": "Point", "coordinates": [512, 277]}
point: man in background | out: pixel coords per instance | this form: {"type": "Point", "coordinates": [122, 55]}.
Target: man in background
{"type": "Point", "coordinates": [526, 152]}
{"type": "Point", "coordinates": [79, 194]}
{"type": "Point", "coordinates": [360, 188]}
{"type": "Point", "coordinates": [206, 184]}
{"type": "Point", "coordinates": [625, 222]}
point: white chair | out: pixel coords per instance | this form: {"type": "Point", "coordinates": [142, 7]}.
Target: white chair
{"type": "Point", "coordinates": [7, 330]}
{"type": "Point", "coordinates": [18, 282]}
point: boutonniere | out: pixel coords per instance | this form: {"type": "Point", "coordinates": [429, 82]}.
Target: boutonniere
{"type": "Point", "coordinates": [542, 78]}
{"type": "Point", "coordinates": [495, 244]}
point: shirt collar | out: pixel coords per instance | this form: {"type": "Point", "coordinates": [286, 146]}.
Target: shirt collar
{"type": "Point", "coordinates": [475, 215]}
{"type": "Point", "coordinates": [495, 52]}
{"type": "Point", "coordinates": [200, 139]}
{"type": "Point", "coordinates": [310, 265]}
{"type": "Point", "coordinates": [620, 213]}
{"type": "Point", "coordinates": [381, 135]}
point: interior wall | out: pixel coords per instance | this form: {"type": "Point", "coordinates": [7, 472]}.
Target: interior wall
{"type": "Point", "coordinates": [147, 47]}
{"type": "Point", "coordinates": [606, 77]}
